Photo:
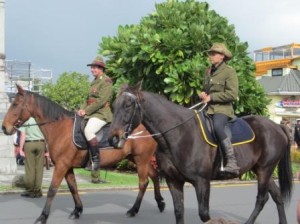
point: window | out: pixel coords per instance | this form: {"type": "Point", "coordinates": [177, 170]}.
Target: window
{"type": "Point", "coordinates": [277, 72]}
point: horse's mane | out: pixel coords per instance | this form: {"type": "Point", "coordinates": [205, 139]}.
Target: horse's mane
{"type": "Point", "coordinates": [49, 108]}
{"type": "Point", "coordinates": [131, 89]}
{"type": "Point", "coordinates": [139, 93]}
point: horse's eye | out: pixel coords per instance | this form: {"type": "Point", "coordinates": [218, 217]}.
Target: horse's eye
{"type": "Point", "coordinates": [127, 105]}
{"type": "Point", "coordinates": [15, 104]}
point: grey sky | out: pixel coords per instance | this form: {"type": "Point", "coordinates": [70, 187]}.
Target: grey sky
{"type": "Point", "coordinates": [63, 35]}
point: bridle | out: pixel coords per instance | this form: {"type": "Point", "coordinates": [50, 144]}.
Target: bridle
{"type": "Point", "coordinates": [128, 130]}
{"type": "Point", "coordinates": [19, 122]}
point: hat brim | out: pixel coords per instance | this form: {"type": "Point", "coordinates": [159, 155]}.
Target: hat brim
{"type": "Point", "coordinates": [99, 65]}
{"type": "Point", "coordinates": [227, 55]}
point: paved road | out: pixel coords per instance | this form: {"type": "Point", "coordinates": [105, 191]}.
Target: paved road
{"type": "Point", "coordinates": [232, 202]}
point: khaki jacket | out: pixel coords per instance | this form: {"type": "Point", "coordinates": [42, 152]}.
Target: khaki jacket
{"type": "Point", "coordinates": [97, 103]}
{"type": "Point", "coordinates": [222, 86]}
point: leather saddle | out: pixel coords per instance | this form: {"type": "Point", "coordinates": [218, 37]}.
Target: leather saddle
{"type": "Point", "coordinates": [80, 140]}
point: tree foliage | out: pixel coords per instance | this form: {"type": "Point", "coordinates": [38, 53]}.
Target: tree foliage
{"type": "Point", "coordinates": [69, 91]}
{"type": "Point", "coordinates": [168, 51]}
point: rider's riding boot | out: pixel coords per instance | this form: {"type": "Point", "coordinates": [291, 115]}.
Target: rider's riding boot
{"type": "Point", "coordinates": [231, 166]}
{"type": "Point", "coordinates": [94, 153]}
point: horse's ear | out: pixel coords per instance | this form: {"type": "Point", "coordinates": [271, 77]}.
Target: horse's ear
{"type": "Point", "coordinates": [138, 86]}
{"type": "Point", "coordinates": [20, 89]}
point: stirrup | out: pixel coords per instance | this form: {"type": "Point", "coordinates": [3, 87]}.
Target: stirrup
{"type": "Point", "coordinates": [229, 170]}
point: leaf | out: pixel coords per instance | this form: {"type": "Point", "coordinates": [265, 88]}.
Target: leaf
{"type": "Point", "coordinates": [168, 50]}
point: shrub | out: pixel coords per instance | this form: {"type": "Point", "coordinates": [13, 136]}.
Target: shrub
{"type": "Point", "coordinates": [295, 156]}
{"type": "Point", "coordinates": [126, 165]}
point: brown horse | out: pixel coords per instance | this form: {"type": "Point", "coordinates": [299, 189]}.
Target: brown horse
{"type": "Point", "coordinates": [56, 124]}
{"type": "Point", "coordinates": [184, 155]}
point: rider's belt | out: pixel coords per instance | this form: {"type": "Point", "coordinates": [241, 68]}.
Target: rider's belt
{"type": "Point", "coordinates": [90, 101]}
{"type": "Point", "coordinates": [40, 140]}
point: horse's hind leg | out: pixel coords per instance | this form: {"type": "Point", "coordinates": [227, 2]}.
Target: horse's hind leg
{"type": "Point", "coordinates": [176, 189]}
{"type": "Point", "coordinates": [276, 196]}
{"type": "Point", "coordinates": [156, 183]}
{"type": "Point", "coordinates": [71, 181]}
{"type": "Point", "coordinates": [262, 197]}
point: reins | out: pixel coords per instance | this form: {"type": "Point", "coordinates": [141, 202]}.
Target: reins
{"type": "Point", "coordinates": [44, 123]}
{"type": "Point", "coordinates": [38, 124]}
{"type": "Point", "coordinates": [137, 135]}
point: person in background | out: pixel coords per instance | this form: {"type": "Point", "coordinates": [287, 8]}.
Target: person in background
{"type": "Point", "coordinates": [220, 90]}
{"type": "Point", "coordinates": [95, 177]}
{"type": "Point", "coordinates": [95, 174]}
{"type": "Point", "coordinates": [33, 144]}
{"type": "Point", "coordinates": [96, 110]}
{"type": "Point", "coordinates": [286, 122]}
{"type": "Point", "coordinates": [297, 133]}
{"type": "Point", "coordinates": [19, 154]}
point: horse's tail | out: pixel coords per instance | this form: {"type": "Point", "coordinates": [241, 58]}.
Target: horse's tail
{"type": "Point", "coordinates": [285, 169]}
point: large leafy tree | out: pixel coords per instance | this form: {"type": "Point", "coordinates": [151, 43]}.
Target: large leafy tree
{"type": "Point", "coordinates": [168, 51]}
{"type": "Point", "coordinates": [69, 90]}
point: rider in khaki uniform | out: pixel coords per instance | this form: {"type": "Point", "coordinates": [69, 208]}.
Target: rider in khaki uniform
{"type": "Point", "coordinates": [96, 109]}
{"type": "Point", "coordinates": [220, 90]}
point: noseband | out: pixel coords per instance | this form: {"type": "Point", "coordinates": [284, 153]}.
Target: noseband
{"type": "Point", "coordinates": [19, 122]}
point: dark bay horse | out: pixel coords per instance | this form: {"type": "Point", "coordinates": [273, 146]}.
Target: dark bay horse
{"type": "Point", "coordinates": [184, 156]}
{"type": "Point", "coordinates": [56, 124]}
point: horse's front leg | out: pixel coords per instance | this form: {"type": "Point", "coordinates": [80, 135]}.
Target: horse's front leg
{"type": "Point", "coordinates": [58, 175]}
{"type": "Point", "coordinates": [176, 189]}
{"type": "Point", "coordinates": [71, 181]}
{"type": "Point", "coordinates": [202, 187]}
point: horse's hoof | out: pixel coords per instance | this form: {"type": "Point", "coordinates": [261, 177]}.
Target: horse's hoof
{"type": "Point", "coordinates": [131, 213]}
{"type": "Point", "coordinates": [42, 219]}
{"type": "Point", "coordinates": [161, 206]}
{"type": "Point", "coordinates": [76, 213]}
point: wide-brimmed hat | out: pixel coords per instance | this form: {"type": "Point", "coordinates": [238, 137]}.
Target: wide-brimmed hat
{"type": "Point", "coordinates": [222, 49]}
{"type": "Point", "coordinates": [98, 61]}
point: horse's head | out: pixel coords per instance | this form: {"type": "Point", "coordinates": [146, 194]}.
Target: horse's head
{"type": "Point", "coordinates": [17, 113]}
{"type": "Point", "coordinates": [127, 115]}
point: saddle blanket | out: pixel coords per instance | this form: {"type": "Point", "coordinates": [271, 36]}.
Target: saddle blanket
{"type": "Point", "coordinates": [241, 132]}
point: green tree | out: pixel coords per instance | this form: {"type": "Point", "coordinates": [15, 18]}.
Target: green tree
{"type": "Point", "coordinates": [168, 51]}
{"type": "Point", "coordinates": [69, 90]}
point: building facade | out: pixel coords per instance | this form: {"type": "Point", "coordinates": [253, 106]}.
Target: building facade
{"type": "Point", "coordinates": [277, 70]}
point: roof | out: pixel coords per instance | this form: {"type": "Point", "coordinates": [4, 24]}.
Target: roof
{"type": "Point", "coordinates": [282, 85]}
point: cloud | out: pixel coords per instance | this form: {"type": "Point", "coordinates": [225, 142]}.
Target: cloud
{"type": "Point", "coordinates": [262, 23]}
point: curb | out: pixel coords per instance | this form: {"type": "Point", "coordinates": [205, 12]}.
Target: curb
{"type": "Point", "coordinates": [98, 187]}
